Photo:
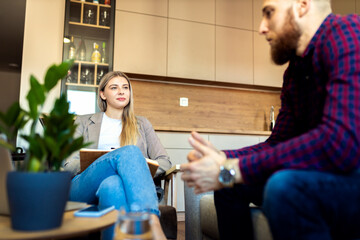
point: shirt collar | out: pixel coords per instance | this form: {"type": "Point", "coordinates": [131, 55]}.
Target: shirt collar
{"type": "Point", "coordinates": [317, 35]}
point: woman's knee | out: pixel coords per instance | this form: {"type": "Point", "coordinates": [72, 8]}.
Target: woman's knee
{"type": "Point", "coordinates": [129, 151]}
{"type": "Point", "coordinates": [109, 185]}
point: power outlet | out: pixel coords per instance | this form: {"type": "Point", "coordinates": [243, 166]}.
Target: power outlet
{"type": "Point", "coordinates": [184, 102]}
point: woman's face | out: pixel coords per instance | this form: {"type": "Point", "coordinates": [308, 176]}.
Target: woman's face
{"type": "Point", "coordinates": [116, 93]}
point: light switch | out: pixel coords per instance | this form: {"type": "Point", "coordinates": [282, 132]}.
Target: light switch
{"type": "Point", "coordinates": [184, 102]}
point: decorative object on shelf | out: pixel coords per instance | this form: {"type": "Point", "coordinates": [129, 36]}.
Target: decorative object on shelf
{"type": "Point", "coordinates": [44, 155]}
{"type": "Point", "coordinates": [272, 118]}
{"type": "Point", "coordinates": [96, 1]}
{"type": "Point", "coordinates": [96, 55]}
{"type": "Point", "coordinates": [81, 55]}
{"type": "Point", "coordinates": [100, 74]}
{"type": "Point", "coordinates": [107, 2]}
{"type": "Point", "coordinates": [72, 49]}
{"type": "Point", "coordinates": [69, 77]}
{"type": "Point", "coordinates": [103, 53]}
{"type": "Point", "coordinates": [86, 76]}
{"type": "Point", "coordinates": [89, 15]}
{"type": "Point", "coordinates": [105, 17]}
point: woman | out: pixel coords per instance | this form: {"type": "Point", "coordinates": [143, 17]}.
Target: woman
{"type": "Point", "coordinates": [121, 177]}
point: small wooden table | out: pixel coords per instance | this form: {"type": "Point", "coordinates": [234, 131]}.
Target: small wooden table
{"type": "Point", "coordinates": [71, 227]}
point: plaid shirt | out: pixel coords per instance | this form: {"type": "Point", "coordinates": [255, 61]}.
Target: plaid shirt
{"type": "Point", "coordinates": [318, 126]}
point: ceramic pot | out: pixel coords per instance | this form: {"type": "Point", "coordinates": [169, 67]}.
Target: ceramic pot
{"type": "Point", "coordinates": [37, 200]}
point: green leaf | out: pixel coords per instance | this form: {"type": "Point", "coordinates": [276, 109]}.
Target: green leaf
{"type": "Point", "coordinates": [35, 97]}
{"type": "Point", "coordinates": [7, 145]}
{"type": "Point", "coordinates": [34, 165]}
{"type": "Point", "coordinates": [12, 113]}
{"type": "Point", "coordinates": [55, 73]}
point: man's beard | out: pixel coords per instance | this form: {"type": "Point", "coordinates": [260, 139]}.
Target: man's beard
{"type": "Point", "coordinates": [284, 46]}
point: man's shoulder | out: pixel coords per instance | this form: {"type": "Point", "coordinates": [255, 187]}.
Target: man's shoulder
{"type": "Point", "coordinates": [342, 22]}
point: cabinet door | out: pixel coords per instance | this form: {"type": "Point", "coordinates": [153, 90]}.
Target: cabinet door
{"type": "Point", "coordinates": [88, 39]}
{"type": "Point", "coordinates": [140, 43]}
{"type": "Point", "coordinates": [234, 55]}
{"type": "Point", "coordinates": [266, 73]}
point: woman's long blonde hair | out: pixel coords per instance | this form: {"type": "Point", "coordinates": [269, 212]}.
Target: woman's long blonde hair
{"type": "Point", "coordinates": [130, 131]}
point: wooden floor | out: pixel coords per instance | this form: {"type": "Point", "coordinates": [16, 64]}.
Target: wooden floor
{"type": "Point", "coordinates": [181, 231]}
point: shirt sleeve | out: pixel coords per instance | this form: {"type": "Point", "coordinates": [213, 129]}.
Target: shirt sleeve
{"type": "Point", "coordinates": [333, 145]}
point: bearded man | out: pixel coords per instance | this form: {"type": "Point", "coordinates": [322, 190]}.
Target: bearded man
{"type": "Point", "coordinates": [306, 174]}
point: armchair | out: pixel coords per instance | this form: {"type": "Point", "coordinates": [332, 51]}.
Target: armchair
{"type": "Point", "coordinates": [168, 219]}
{"type": "Point", "coordinates": [201, 219]}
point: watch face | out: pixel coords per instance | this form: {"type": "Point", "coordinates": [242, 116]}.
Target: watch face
{"type": "Point", "coordinates": [227, 177]}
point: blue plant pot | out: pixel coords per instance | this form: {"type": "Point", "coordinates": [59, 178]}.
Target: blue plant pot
{"type": "Point", "coordinates": [37, 200]}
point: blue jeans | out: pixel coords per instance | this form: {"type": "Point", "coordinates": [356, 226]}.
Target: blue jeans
{"type": "Point", "coordinates": [298, 205]}
{"type": "Point", "coordinates": [120, 178]}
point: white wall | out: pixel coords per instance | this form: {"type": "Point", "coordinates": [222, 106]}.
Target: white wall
{"type": "Point", "coordinates": [43, 44]}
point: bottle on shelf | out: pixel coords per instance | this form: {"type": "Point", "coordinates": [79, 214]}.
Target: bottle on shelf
{"type": "Point", "coordinates": [107, 2]}
{"type": "Point", "coordinates": [103, 53]}
{"type": "Point", "coordinates": [96, 55]}
{"type": "Point", "coordinates": [81, 55]}
{"type": "Point", "coordinates": [96, 1]}
{"type": "Point", "coordinates": [72, 49]}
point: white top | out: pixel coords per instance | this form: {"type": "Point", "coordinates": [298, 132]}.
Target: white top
{"type": "Point", "coordinates": [109, 133]}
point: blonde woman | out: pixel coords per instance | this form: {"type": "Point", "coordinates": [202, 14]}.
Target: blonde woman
{"type": "Point", "coordinates": [120, 178]}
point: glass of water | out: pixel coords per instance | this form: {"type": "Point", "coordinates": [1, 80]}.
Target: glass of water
{"type": "Point", "coordinates": [134, 224]}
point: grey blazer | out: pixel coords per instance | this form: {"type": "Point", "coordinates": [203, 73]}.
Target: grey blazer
{"type": "Point", "coordinates": [148, 142]}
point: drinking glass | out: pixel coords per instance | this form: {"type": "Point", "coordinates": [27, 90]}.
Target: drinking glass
{"type": "Point", "coordinates": [89, 16]}
{"type": "Point", "coordinates": [134, 225]}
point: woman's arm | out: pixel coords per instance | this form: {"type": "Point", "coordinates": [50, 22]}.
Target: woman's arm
{"type": "Point", "coordinates": [154, 149]}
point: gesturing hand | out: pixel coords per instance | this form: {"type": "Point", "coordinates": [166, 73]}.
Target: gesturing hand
{"type": "Point", "coordinates": [203, 169]}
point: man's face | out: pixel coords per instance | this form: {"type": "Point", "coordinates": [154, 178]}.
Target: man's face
{"type": "Point", "coordinates": [280, 29]}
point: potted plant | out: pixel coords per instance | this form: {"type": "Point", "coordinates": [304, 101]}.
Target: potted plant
{"type": "Point", "coordinates": [38, 192]}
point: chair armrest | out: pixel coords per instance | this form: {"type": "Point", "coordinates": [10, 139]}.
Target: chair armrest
{"type": "Point", "coordinates": [170, 176]}
{"type": "Point", "coordinates": [173, 170]}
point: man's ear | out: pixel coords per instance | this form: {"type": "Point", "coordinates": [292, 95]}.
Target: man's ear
{"type": "Point", "coordinates": [302, 7]}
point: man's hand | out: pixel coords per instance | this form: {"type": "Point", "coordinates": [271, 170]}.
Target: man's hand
{"type": "Point", "coordinates": [202, 171]}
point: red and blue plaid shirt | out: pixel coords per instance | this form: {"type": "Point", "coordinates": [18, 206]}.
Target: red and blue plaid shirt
{"type": "Point", "coordinates": [318, 126]}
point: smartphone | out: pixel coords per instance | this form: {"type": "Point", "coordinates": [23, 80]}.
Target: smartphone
{"type": "Point", "coordinates": [93, 211]}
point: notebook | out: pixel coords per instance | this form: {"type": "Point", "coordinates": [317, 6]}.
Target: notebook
{"type": "Point", "coordinates": [5, 166]}
{"type": "Point", "coordinates": [88, 156]}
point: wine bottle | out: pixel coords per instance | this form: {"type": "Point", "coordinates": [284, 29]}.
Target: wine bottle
{"type": "Point", "coordinates": [72, 49]}
{"type": "Point", "coordinates": [272, 118]}
{"type": "Point", "coordinates": [96, 56]}
{"type": "Point", "coordinates": [103, 53]}
{"type": "Point", "coordinates": [82, 51]}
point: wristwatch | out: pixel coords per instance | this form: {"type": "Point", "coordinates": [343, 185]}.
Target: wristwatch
{"type": "Point", "coordinates": [227, 174]}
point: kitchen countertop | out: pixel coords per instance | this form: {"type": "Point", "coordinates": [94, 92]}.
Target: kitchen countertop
{"type": "Point", "coordinates": [216, 131]}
